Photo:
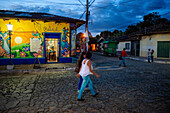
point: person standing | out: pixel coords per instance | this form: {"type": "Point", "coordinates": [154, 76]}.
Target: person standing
{"type": "Point", "coordinates": [149, 55]}
{"type": "Point", "coordinates": [123, 54]}
{"type": "Point", "coordinates": [152, 56]}
{"type": "Point", "coordinates": [85, 72]}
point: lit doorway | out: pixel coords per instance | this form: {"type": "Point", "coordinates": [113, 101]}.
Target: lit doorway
{"type": "Point", "coordinates": [52, 49]}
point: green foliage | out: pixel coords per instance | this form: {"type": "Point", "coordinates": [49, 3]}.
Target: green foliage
{"type": "Point", "coordinates": [151, 19]}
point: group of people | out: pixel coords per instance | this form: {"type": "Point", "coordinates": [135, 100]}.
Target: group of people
{"type": "Point", "coordinates": [84, 69]}
{"type": "Point", "coordinates": [150, 55]}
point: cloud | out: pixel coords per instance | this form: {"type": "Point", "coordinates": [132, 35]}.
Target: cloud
{"type": "Point", "coordinates": [104, 14]}
{"type": "Point", "coordinates": [31, 8]}
{"type": "Point", "coordinates": [108, 16]}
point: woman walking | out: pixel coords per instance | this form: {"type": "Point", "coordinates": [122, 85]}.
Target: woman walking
{"type": "Point", "coordinates": [85, 72]}
{"type": "Point", "coordinates": [77, 69]}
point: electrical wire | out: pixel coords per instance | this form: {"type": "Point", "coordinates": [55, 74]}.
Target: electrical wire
{"type": "Point", "coordinates": [81, 2]}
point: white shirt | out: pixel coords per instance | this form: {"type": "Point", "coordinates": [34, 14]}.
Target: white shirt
{"type": "Point", "coordinates": [149, 53]}
{"type": "Point", "coordinates": [85, 68]}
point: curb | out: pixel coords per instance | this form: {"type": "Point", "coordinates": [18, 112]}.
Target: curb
{"type": "Point", "coordinates": [144, 60]}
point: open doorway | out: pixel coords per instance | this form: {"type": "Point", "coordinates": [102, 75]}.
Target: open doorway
{"type": "Point", "coordinates": [52, 49]}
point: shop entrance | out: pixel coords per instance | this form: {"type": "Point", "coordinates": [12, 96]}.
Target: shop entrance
{"type": "Point", "coordinates": [52, 49]}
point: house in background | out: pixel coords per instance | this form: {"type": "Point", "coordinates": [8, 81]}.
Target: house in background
{"type": "Point", "coordinates": [158, 41]}
{"type": "Point", "coordinates": [154, 37]}
{"type": "Point", "coordinates": [131, 44]}
{"type": "Point", "coordinates": [157, 38]}
{"type": "Point", "coordinates": [48, 37]}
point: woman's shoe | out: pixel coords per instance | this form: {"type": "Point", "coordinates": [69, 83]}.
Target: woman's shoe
{"type": "Point", "coordinates": [80, 99]}
{"type": "Point", "coordinates": [95, 95]}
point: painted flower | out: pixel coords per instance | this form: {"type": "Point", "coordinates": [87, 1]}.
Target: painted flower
{"type": "Point", "coordinates": [17, 50]}
{"type": "Point", "coordinates": [8, 56]}
{"type": "Point", "coordinates": [22, 54]}
{"type": "Point", "coordinates": [35, 55]}
{"type": "Point", "coordinates": [41, 48]}
{"type": "Point", "coordinates": [25, 48]}
{"type": "Point", "coordinates": [39, 54]}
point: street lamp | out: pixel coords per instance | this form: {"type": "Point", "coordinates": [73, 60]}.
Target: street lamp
{"type": "Point", "coordinates": [10, 27]}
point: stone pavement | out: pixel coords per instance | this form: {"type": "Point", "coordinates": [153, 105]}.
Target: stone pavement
{"type": "Point", "coordinates": [140, 88]}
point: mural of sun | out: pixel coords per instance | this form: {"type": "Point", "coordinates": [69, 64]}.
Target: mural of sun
{"type": "Point", "coordinates": [18, 40]}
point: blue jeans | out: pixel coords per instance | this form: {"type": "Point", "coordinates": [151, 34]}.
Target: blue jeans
{"type": "Point", "coordinates": [80, 83]}
{"type": "Point", "coordinates": [86, 80]}
{"type": "Point", "coordinates": [149, 58]}
{"type": "Point", "coordinates": [123, 61]}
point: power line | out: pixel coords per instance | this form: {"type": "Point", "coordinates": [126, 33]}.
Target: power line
{"type": "Point", "coordinates": [91, 3]}
{"type": "Point", "coordinates": [81, 2]}
{"type": "Point", "coordinates": [67, 4]}
{"type": "Point", "coordinates": [82, 14]}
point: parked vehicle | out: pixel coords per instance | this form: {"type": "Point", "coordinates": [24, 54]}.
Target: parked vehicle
{"type": "Point", "coordinates": [110, 48]}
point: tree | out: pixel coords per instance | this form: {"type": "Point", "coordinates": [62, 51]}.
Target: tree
{"type": "Point", "coordinates": [116, 33]}
{"type": "Point", "coordinates": [107, 35]}
{"type": "Point", "coordinates": [97, 37]}
{"type": "Point", "coordinates": [151, 19]}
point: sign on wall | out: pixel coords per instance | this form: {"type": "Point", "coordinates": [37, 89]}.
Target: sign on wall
{"type": "Point", "coordinates": [35, 44]}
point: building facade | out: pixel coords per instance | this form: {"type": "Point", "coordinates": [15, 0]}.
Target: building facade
{"type": "Point", "coordinates": [48, 37]}
{"type": "Point", "coordinates": [159, 42]}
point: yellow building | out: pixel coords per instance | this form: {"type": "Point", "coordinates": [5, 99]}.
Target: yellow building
{"type": "Point", "coordinates": [159, 42]}
{"type": "Point", "coordinates": [50, 38]}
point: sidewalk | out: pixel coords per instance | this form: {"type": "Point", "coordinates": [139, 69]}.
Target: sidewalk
{"type": "Point", "coordinates": [29, 68]}
{"type": "Point", "coordinates": [156, 60]}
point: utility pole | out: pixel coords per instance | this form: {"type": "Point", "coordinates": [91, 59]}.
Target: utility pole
{"type": "Point", "coordinates": [86, 28]}
{"type": "Point", "coordinates": [87, 14]}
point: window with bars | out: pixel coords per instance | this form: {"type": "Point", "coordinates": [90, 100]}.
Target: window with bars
{"type": "Point", "coordinates": [127, 46]}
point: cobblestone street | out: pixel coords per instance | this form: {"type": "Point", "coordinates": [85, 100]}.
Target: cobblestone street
{"type": "Point", "coordinates": [140, 87]}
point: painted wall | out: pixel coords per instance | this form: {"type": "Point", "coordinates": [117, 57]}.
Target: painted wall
{"type": "Point", "coordinates": [151, 42]}
{"type": "Point", "coordinates": [26, 33]}
{"type": "Point", "coordinates": [73, 42]}
{"type": "Point", "coordinates": [121, 45]}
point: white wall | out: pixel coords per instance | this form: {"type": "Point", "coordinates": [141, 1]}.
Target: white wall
{"type": "Point", "coordinates": [121, 45]}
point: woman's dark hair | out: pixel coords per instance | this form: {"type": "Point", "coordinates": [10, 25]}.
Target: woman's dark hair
{"type": "Point", "coordinates": [88, 55]}
{"type": "Point", "coordinates": [81, 58]}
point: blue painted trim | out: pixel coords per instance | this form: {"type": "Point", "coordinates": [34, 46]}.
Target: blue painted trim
{"type": "Point", "coordinates": [60, 46]}
{"type": "Point", "coordinates": [54, 35]}
{"type": "Point", "coordinates": [18, 61]}
{"type": "Point", "coordinates": [65, 59]}
{"type": "Point", "coordinates": [44, 55]}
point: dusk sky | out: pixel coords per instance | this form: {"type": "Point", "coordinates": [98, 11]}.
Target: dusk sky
{"type": "Point", "coordinates": [104, 14]}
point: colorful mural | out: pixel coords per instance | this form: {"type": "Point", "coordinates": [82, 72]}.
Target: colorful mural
{"type": "Point", "coordinates": [27, 38]}
{"type": "Point", "coordinates": [20, 46]}
{"type": "Point", "coordinates": [73, 42]}
{"type": "Point", "coordinates": [4, 47]}
{"type": "Point", "coordinates": [65, 43]}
